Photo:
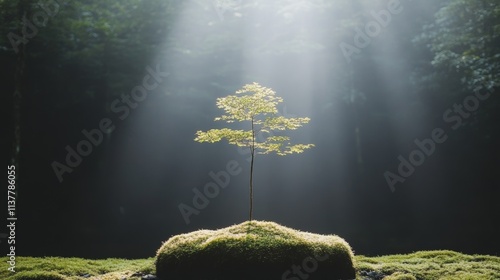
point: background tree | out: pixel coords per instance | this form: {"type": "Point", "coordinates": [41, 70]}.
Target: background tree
{"type": "Point", "coordinates": [257, 105]}
{"type": "Point", "coordinates": [463, 42]}
{"type": "Point", "coordinates": [465, 38]}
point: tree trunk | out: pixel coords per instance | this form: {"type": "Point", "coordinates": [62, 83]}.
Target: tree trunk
{"type": "Point", "coordinates": [252, 150]}
{"type": "Point", "coordinates": [22, 10]}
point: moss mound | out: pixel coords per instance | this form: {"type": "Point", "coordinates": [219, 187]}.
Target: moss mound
{"type": "Point", "coordinates": [255, 251]}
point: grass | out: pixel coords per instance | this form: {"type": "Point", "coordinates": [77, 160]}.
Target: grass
{"type": "Point", "coordinates": [271, 241]}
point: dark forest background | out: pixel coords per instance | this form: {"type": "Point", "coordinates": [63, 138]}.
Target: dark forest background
{"type": "Point", "coordinates": [68, 64]}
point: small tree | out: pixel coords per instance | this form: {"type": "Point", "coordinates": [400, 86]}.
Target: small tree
{"type": "Point", "coordinates": [257, 105]}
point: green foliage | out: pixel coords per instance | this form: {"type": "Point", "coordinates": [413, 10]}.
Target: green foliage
{"type": "Point", "coordinates": [258, 105]}
{"type": "Point", "coordinates": [465, 38]}
{"type": "Point", "coordinates": [99, 48]}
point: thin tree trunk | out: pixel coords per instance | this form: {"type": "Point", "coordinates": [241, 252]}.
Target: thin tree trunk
{"type": "Point", "coordinates": [356, 128]}
{"type": "Point", "coordinates": [17, 96]}
{"type": "Point", "coordinates": [251, 186]}
{"type": "Point", "coordinates": [252, 149]}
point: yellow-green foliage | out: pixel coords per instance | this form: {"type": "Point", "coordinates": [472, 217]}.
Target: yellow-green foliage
{"type": "Point", "coordinates": [432, 265]}
{"type": "Point", "coordinates": [257, 105]}
{"type": "Point", "coordinates": [250, 250]}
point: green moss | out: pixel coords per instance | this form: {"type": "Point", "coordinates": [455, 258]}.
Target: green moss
{"type": "Point", "coordinates": [432, 265]}
{"type": "Point", "coordinates": [42, 275]}
{"type": "Point", "coordinates": [400, 276]}
{"type": "Point", "coordinates": [254, 250]}
{"type": "Point", "coordinates": [423, 265]}
{"type": "Point", "coordinates": [55, 268]}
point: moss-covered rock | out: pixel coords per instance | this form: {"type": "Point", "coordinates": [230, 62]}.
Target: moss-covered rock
{"type": "Point", "coordinates": [255, 251]}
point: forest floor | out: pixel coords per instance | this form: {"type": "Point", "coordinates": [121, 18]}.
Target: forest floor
{"type": "Point", "coordinates": [422, 265]}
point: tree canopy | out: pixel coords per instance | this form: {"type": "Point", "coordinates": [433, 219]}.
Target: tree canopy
{"type": "Point", "coordinates": [257, 105]}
